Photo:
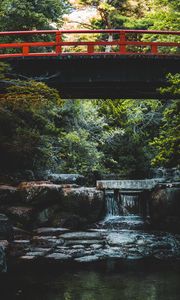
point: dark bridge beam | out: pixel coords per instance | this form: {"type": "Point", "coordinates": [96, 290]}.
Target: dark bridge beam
{"type": "Point", "coordinates": [100, 76]}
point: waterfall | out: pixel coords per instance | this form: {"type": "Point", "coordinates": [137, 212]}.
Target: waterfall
{"type": "Point", "coordinates": [112, 208]}
{"type": "Point", "coordinates": [122, 211]}
{"type": "Point", "coordinates": [130, 204]}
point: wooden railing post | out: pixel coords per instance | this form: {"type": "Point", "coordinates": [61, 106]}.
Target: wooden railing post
{"type": "Point", "coordinates": [90, 49]}
{"type": "Point", "coordinates": [58, 41]}
{"type": "Point", "coordinates": [122, 40]}
{"type": "Point", "coordinates": [25, 50]}
{"type": "Point", "coordinates": [154, 49]}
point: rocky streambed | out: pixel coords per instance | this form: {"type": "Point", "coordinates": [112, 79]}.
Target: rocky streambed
{"type": "Point", "coordinates": [57, 245]}
{"type": "Point", "coordinates": [45, 222]}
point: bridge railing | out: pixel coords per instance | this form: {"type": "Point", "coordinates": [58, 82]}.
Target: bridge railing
{"type": "Point", "coordinates": [119, 42]}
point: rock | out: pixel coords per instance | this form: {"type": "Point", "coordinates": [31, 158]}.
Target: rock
{"type": "Point", "coordinates": [44, 250]}
{"type": "Point", "coordinates": [20, 234]}
{"type": "Point", "coordinates": [85, 203]}
{"type": "Point", "coordinates": [43, 231]}
{"type": "Point", "coordinates": [6, 229]}
{"type": "Point", "coordinates": [83, 242]}
{"type": "Point", "coordinates": [3, 265]}
{"type": "Point", "coordinates": [121, 238]}
{"type": "Point", "coordinates": [39, 193]}
{"type": "Point", "coordinates": [36, 254]}
{"type": "Point", "coordinates": [66, 178]}
{"type": "Point", "coordinates": [47, 241]}
{"type": "Point", "coordinates": [84, 235]}
{"type": "Point", "coordinates": [87, 259]}
{"type": "Point", "coordinates": [8, 194]}
{"type": "Point", "coordinates": [45, 216]}
{"type": "Point", "coordinates": [78, 246]}
{"type": "Point", "coordinates": [4, 244]}
{"type": "Point", "coordinates": [21, 215]}
{"type": "Point", "coordinates": [28, 257]}
{"type": "Point", "coordinates": [96, 246]}
{"type": "Point", "coordinates": [165, 207]}
{"type": "Point", "coordinates": [58, 257]}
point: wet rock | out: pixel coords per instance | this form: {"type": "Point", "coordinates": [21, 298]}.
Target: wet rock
{"type": "Point", "coordinates": [112, 252]}
{"type": "Point", "coordinates": [84, 235]}
{"type": "Point", "coordinates": [121, 238]}
{"type": "Point", "coordinates": [87, 259]}
{"type": "Point", "coordinates": [44, 250]}
{"type": "Point", "coordinates": [6, 229]}
{"type": "Point", "coordinates": [78, 246]}
{"type": "Point", "coordinates": [83, 242]}
{"type": "Point", "coordinates": [28, 257]}
{"type": "Point", "coordinates": [36, 254]}
{"type": "Point", "coordinates": [47, 241]}
{"type": "Point", "coordinates": [96, 246]}
{"type": "Point", "coordinates": [58, 257]}
{"type": "Point", "coordinates": [43, 231]}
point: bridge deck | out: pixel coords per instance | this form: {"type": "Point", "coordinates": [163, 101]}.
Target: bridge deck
{"type": "Point", "coordinates": [111, 64]}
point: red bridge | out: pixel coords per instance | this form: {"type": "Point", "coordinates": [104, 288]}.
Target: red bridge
{"type": "Point", "coordinates": [95, 63]}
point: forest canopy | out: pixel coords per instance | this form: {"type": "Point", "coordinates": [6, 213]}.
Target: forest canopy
{"type": "Point", "coordinates": [40, 131]}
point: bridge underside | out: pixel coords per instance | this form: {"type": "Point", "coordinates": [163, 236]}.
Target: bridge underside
{"type": "Point", "coordinates": [100, 76]}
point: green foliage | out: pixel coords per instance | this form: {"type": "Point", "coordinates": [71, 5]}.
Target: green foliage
{"type": "Point", "coordinates": [174, 85]}
{"type": "Point", "coordinates": [167, 142]}
{"type": "Point", "coordinates": [31, 14]}
{"type": "Point", "coordinates": [28, 111]}
{"type": "Point", "coordinates": [127, 153]}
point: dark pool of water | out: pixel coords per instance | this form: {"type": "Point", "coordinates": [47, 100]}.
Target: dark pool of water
{"type": "Point", "coordinates": [131, 282]}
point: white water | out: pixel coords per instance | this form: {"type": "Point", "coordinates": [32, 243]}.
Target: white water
{"type": "Point", "coordinates": [122, 213]}
{"type": "Point", "coordinates": [112, 208]}
{"type": "Point", "coordinates": [130, 204]}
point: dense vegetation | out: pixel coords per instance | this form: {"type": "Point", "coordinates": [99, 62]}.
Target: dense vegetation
{"type": "Point", "coordinates": [39, 131]}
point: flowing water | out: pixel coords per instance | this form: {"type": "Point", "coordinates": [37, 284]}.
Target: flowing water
{"type": "Point", "coordinates": [122, 212]}
{"type": "Point", "coordinates": [111, 279]}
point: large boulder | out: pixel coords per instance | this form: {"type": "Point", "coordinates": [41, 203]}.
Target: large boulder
{"type": "Point", "coordinates": [39, 193]}
{"type": "Point", "coordinates": [43, 203]}
{"type": "Point", "coordinates": [79, 206]}
{"type": "Point", "coordinates": [165, 206]}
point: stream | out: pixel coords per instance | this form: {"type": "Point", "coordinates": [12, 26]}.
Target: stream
{"type": "Point", "coordinates": [118, 259]}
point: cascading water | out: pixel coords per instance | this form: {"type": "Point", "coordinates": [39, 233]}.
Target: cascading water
{"type": "Point", "coordinates": [122, 212]}
{"type": "Point", "coordinates": [112, 208]}
{"type": "Point", "coordinates": [130, 204]}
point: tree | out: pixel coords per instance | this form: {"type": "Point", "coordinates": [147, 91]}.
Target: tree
{"type": "Point", "coordinates": [118, 14]}
{"type": "Point", "coordinates": [127, 153]}
{"type": "Point", "coordinates": [167, 143]}
{"type": "Point", "coordinates": [31, 14]}
{"type": "Point", "coordinates": [28, 134]}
